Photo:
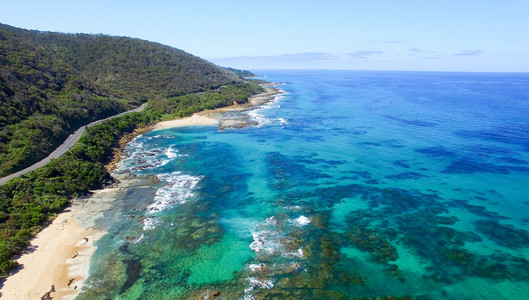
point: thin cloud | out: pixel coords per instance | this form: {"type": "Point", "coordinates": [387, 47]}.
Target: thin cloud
{"type": "Point", "coordinates": [423, 54]}
{"type": "Point", "coordinates": [307, 56]}
{"type": "Point", "coordinates": [290, 60]}
{"type": "Point", "coordinates": [470, 52]}
{"type": "Point", "coordinates": [290, 57]}
{"type": "Point", "coordinates": [386, 42]}
{"type": "Point", "coordinates": [363, 54]}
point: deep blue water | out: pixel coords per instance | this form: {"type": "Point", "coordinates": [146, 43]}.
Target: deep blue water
{"type": "Point", "coordinates": [354, 184]}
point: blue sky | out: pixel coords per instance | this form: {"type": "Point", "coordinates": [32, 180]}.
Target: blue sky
{"type": "Point", "coordinates": [448, 35]}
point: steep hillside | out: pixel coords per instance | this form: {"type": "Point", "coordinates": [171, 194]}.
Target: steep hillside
{"type": "Point", "coordinates": [53, 83]}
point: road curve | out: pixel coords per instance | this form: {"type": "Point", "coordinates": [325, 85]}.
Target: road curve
{"type": "Point", "coordinates": [67, 145]}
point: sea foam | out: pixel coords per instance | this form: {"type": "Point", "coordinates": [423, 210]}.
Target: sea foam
{"type": "Point", "coordinates": [301, 221]}
{"type": "Point", "coordinates": [258, 118]}
{"type": "Point", "coordinates": [140, 158]}
{"type": "Point", "coordinates": [256, 283]}
{"type": "Point", "coordinates": [171, 153]}
{"type": "Point", "coordinates": [177, 190]}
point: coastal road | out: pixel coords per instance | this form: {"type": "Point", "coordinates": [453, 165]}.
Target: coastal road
{"type": "Point", "coordinates": [67, 145]}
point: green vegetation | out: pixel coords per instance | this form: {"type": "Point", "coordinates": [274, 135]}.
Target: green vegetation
{"type": "Point", "coordinates": [27, 202]}
{"type": "Point", "coordinates": [191, 103]}
{"type": "Point", "coordinates": [242, 73]}
{"type": "Point", "coordinates": [53, 83]}
{"type": "Point", "coordinates": [50, 84]}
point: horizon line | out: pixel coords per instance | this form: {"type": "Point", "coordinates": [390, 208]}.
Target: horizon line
{"type": "Point", "coordinates": [377, 70]}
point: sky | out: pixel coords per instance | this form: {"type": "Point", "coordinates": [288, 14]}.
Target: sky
{"type": "Point", "coordinates": [414, 35]}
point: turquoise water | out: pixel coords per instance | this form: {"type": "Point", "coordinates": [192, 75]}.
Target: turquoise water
{"type": "Point", "coordinates": [354, 184]}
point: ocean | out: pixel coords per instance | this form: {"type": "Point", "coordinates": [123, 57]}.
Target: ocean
{"type": "Point", "coordinates": [351, 184]}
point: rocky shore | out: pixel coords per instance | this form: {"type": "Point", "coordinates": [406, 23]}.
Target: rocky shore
{"type": "Point", "coordinates": [57, 262]}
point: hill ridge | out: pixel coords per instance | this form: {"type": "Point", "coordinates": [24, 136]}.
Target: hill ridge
{"type": "Point", "coordinates": [53, 83]}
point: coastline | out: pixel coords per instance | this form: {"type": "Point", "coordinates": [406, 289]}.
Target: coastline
{"type": "Point", "coordinates": [213, 116]}
{"type": "Point", "coordinates": [60, 254]}
{"type": "Point", "coordinates": [196, 119]}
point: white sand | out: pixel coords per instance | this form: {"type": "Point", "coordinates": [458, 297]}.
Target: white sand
{"type": "Point", "coordinates": [194, 120]}
{"type": "Point", "coordinates": [62, 252]}
{"type": "Point", "coordinates": [61, 257]}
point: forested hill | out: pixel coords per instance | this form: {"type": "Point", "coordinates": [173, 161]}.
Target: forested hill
{"type": "Point", "coordinates": [53, 83]}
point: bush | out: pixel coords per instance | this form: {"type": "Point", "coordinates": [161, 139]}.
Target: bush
{"type": "Point", "coordinates": [27, 202]}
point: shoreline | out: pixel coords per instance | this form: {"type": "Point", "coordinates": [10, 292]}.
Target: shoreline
{"type": "Point", "coordinates": [213, 116]}
{"type": "Point", "coordinates": [57, 261]}
{"type": "Point", "coordinates": [210, 117]}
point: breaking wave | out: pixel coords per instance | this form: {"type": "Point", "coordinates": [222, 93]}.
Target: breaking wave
{"type": "Point", "coordinates": [177, 190]}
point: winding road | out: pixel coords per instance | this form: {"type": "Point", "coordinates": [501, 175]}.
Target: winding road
{"type": "Point", "coordinates": [67, 145]}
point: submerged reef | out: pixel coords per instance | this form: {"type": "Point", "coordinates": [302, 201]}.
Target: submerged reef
{"type": "Point", "coordinates": [310, 236]}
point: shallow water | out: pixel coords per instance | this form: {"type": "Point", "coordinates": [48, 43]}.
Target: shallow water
{"type": "Point", "coordinates": [354, 184]}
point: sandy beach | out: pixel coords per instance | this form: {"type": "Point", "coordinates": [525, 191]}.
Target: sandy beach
{"type": "Point", "coordinates": [196, 119]}
{"type": "Point", "coordinates": [58, 260]}
{"type": "Point", "coordinates": [60, 256]}
{"type": "Point", "coordinates": [213, 117]}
